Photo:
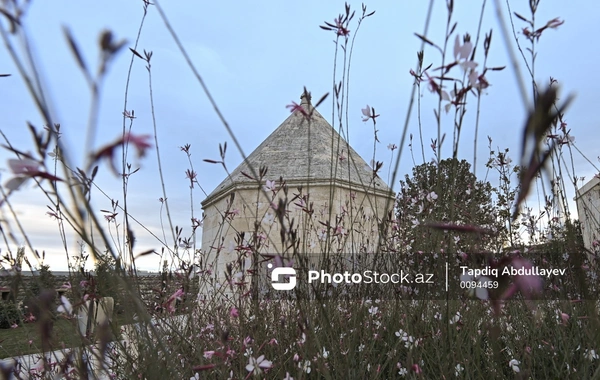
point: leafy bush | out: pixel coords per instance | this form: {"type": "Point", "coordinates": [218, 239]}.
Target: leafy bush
{"type": "Point", "coordinates": [106, 282]}
{"type": "Point", "coordinates": [43, 280]}
{"type": "Point", "coordinates": [9, 315]}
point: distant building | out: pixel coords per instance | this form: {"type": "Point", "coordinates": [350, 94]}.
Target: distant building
{"type": "Point", "coordinates": [335, 199]}
{"type": "Point", "coordinates": [588, 208]}
{"type": "Point", "coordinates": [67, 273]}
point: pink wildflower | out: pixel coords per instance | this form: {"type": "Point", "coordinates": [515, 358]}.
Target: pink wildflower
{"type": "Point", "coordinates": [208, 354]}
{"type": "Point", "coordinates": [23, 166]}
{"type": "Point", "coordinates": [170, 304]}
{"type": "Point", "coordinates": [416, 369]}
{"type": "Point", "coordinates": [338, 25]}
{"type": "Point", "coordinates": [270, 186]}
{"type": "Point", "coordinates": [341, 30]}
{"type": "Point", "coordinates": [432, 85]}
{"type": "Point", "coordinates": [369, 113]}
{"type": "Point", "coordinates": [295, 107]}
{"type": "Point", "coordinates": [108, 152]}
{"type": "Point", "coordinates": [418, 78]}
{"type": "Point", "coordinates": [24, 169]}
{"type": "Point", "coordinates": [554, 23]}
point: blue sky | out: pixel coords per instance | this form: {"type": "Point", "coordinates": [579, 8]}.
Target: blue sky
{"type": "Point", "coordinates": [256, 57]}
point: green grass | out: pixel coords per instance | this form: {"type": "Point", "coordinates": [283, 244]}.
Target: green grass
{"type": "Point", "coordinates": [26, 339]}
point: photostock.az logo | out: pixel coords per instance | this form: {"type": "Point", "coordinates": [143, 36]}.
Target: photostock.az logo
{"type": "Point", "coordinates": [288, 272]}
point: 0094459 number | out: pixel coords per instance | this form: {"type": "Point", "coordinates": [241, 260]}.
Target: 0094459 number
{"type": "Point", "coordinates": [479, 284]}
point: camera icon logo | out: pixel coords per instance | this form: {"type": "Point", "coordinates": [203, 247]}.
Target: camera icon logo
{"type": "Point", "coordinates": [284, 272]}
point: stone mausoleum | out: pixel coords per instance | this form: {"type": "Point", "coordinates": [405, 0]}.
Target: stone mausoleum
{"type": "Point", "coordinates": [588, 209]}
{"type": "Point", "coordinates": [303, 195]}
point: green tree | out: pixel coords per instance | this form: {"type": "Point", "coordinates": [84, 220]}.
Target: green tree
{"type": "Point", "coordinates": [448, 194]}
{"type": "Point", "coordinates": [106, 282]}
{"type": "Point", "coordinates": [43, 281]}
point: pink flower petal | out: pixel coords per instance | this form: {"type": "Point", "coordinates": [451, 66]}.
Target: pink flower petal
{"type": "Point", "coordinates": [23, 166]}
{"type": "Point", "coordinates": [15, 183]}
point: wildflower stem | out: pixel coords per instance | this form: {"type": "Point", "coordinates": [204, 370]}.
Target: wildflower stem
{"type": "Point", "coordinates": [513, 59]}
{"type": "Point", "coordinates": [160, 172]}
{"type": "Point", "coordinates": [411, 103]}
{"type": "Point", "coordinates": [125, 151]}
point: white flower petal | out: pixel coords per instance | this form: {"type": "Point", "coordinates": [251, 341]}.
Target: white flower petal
{"type": "Point", "coordinates": [456, 47]}
{"type": "Point", "coordinates": [366, 111]}
{"type": "Point", "coordinates": [481, 293]}
{"type": "Point", "coordinates": [465, 50]}
{"type": "Point", "coordinates": [65, 306]}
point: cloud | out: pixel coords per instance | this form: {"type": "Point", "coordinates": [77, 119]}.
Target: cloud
{"type": "Point", "coordinates": [44, 235]}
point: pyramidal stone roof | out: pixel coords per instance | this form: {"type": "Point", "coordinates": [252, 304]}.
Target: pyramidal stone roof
{"type": "Point", "coordinates": [304, 150]}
